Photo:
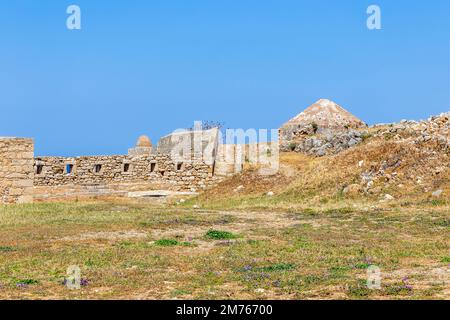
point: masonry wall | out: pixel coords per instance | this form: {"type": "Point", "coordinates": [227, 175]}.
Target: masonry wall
{"type": "Point", "coordinates": [233, 158]}
{"type": "Point", "coordinates": [16, 170]}
{"type": "Point", "coordinates": [117, 175]}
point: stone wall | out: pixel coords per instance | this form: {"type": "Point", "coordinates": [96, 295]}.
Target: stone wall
{"type": "Point", "coordinates": [117, 175]}
{"type": "Point", "coordinates": [192, 145]}
{"type": "Point", "coordinates": [233, 158]}
{"type": "Point", "coordinates": [16, 170]}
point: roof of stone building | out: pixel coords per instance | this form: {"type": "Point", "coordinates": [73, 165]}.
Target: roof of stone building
{"type": "Point", "coordinates": [144, 142]}
{"type": "Point", "coordinates": [327, 115]}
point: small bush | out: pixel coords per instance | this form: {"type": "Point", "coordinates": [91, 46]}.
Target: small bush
{"type": "Point", "coordinates": [292, 146]}
{"type": "Point", "coordinates": [365, 136]}
{"type": "Point", "coordinates": [219, 235]}
{"type": "Point", "coordinates": [7, 249]}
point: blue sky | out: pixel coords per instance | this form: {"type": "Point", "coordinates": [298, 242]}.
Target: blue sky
{"type": "Point", "coordinates": [149, 67]}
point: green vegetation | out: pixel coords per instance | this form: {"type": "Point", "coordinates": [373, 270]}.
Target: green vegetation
{"type": "Point", "coordinates": [292, 146]}
{"type": "Point", "coordinates": [171, 243]}
{"type": "Point", "coordinates": [27, 282]}
{"type": "Point", "coordinates": [278, 267]}
{"type": "Point", "coordinates": [219, 235]}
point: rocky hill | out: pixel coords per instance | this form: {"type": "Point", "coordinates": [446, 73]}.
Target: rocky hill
{"type": "Point", "coordinates": [407, 161]}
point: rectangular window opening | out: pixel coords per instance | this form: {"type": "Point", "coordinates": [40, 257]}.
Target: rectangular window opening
{"type": "Point", "coordinates": [152, 167]}
{"type": "Point", "coordinates": [97, 168]}
{"type": "Point", "coordinates": [179, 166]}
{"type": "Point", "coordinates": [126, 167]}
{"type": "Point", "coordinates": [39, 169]}
{"type": "Point", "coordinates": [69, 168]}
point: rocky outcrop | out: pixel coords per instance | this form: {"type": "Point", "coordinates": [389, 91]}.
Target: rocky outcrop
{"type": "Point", "coordinates": [435, 130]}
{"type": "Point", "coordinates": [325, 144]}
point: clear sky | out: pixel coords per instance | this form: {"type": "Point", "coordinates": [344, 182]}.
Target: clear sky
{"type": "Point", "coordinates": [149, 67]}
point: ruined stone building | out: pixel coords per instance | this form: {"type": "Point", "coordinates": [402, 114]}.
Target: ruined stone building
{"type": "Point", "coordinates": [186, 161]}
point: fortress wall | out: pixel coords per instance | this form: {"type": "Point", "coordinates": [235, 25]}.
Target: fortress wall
{"type": "Point", "coordinates": [16, 170]}
{"type": "Point", "coordinates": [233, 158]}
{"type": "Point", "coordinates": [57, 177]}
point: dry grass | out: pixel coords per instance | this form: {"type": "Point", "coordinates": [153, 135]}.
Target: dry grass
{"type": "Point", "coordinates": [404, 170]}
{"type": "Point", "coordinates": [123, 251]}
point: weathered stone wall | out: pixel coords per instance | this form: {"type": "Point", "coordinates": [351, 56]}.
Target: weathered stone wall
{"type": "Point", "coordinates": [118, 175]}
{"type": "Point", "coordinates": [232, 158]}
{"type": "Point", "coordinates": [16, 170]}
{"type": "Point", "coordinates": [193, 145]}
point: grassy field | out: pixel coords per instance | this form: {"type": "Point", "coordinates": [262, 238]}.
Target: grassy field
{"type": "Point", "coordinates": [130, 250]}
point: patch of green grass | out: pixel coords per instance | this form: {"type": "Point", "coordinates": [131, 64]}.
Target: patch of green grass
{"type": "Point", "coordinates": [446, 260]}
{"type": "Point", "coordinates": [339, 271]}
{"type": "Point", "coordinates": [438, 202]}
{"type": "Point", "coordinates": [7, 249]}
{"type": "Point", "coordinates": [442, 223]}
{"type": "Point", "coordinates": [362, 265]}
{"type": "Point", "coordinates": [302, 243]}
{"type": "Point", "coordinates": [171, 243]}
{"type": "Point", "coordinates": [219, 235]}
{"type": "Point", "coordinates": [27, 281]}
{"type": "Point", "coordinates": [166, 243]}
{"type": "Point", "coordinates": [277, 267]}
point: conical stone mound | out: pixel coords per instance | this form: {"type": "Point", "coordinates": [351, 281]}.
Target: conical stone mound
{"type": "Point", "coordinates": [325, 114]}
